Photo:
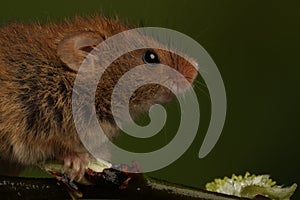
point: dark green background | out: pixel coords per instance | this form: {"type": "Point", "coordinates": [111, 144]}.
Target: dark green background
{"type": "Point", "coordinates": [255, 45]}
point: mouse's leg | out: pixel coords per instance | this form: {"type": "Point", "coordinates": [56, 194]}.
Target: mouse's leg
{"type": "Point", "coordinates": [75, 164]}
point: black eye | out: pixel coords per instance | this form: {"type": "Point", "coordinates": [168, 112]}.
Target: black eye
{"type": "Point", "coordinates": [150, 57]}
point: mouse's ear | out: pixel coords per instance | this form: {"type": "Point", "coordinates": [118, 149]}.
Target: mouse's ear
{"type": "Point", "coordinates": [73, 49]}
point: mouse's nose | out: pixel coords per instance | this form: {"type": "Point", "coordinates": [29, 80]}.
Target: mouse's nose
{"type": "Point", "coordinates": [189, 71]}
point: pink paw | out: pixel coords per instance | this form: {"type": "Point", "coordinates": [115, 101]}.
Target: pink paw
{"type": "Point", "coordinates": [75, 165]}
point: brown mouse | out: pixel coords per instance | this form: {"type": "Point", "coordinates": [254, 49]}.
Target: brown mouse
{"type": "Point", "coordinates": [38, 67]}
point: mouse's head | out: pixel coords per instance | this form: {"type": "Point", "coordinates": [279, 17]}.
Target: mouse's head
{"type": "Point", "coordinates": [74, 48]}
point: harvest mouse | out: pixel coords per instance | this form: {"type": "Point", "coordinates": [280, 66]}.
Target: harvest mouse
{"type": "Point", "coordinates": [38, 67]}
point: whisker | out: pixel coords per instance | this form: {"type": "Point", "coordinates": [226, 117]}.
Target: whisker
{"type": "Point", "coordinates": [200, 83]}
{"type": "Point", "coordinates": [202, 88]}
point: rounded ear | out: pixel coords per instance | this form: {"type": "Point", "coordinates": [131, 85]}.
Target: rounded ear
{"type": "Point", "coordinates": [73, 49]}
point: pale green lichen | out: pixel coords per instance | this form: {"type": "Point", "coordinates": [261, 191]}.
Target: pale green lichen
{"type": "Point", "coordinates": [250, 186]}
{"type": "Point", "coordinates": [96, 165]}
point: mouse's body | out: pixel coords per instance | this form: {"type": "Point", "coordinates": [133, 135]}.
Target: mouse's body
{"type": "Point", "coordinates": [38, 67]}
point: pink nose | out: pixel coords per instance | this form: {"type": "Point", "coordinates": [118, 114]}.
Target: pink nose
{"type": "Point", "coordinates": [189, 72]}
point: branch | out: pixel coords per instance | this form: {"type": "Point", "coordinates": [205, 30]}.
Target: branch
{"type": "Point", "coordinates": [138, 187]}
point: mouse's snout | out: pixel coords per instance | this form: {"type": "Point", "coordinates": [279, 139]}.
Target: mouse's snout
{"type": "Point", "coordinates": [185, 65]}
{"type": "Point", "coordinates": [189, 71]}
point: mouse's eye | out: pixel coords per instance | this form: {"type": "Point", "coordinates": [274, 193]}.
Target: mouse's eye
{"type": "Point", "coordinates": [150, 57]}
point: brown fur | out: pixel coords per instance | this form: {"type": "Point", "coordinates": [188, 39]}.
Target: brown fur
{"type": "Point", "coordinates": [36, 88]}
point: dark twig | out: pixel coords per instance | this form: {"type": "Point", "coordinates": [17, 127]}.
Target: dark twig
{"type": "Point", "coordinates": [137, 188]}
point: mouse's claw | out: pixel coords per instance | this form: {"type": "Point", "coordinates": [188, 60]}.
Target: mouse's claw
{"type": "Point", "coordinates": [75, 165]}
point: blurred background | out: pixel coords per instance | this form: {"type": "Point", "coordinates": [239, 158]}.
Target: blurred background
{"type": "Point", "coordinates": [255, 45]}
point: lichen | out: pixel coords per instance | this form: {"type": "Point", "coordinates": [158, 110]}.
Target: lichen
{"type": "Point", "coordinates": [250, 186]}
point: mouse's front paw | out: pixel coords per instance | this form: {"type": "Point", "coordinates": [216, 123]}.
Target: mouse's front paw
{"type": "Point", "coordinates": [75, 165]}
